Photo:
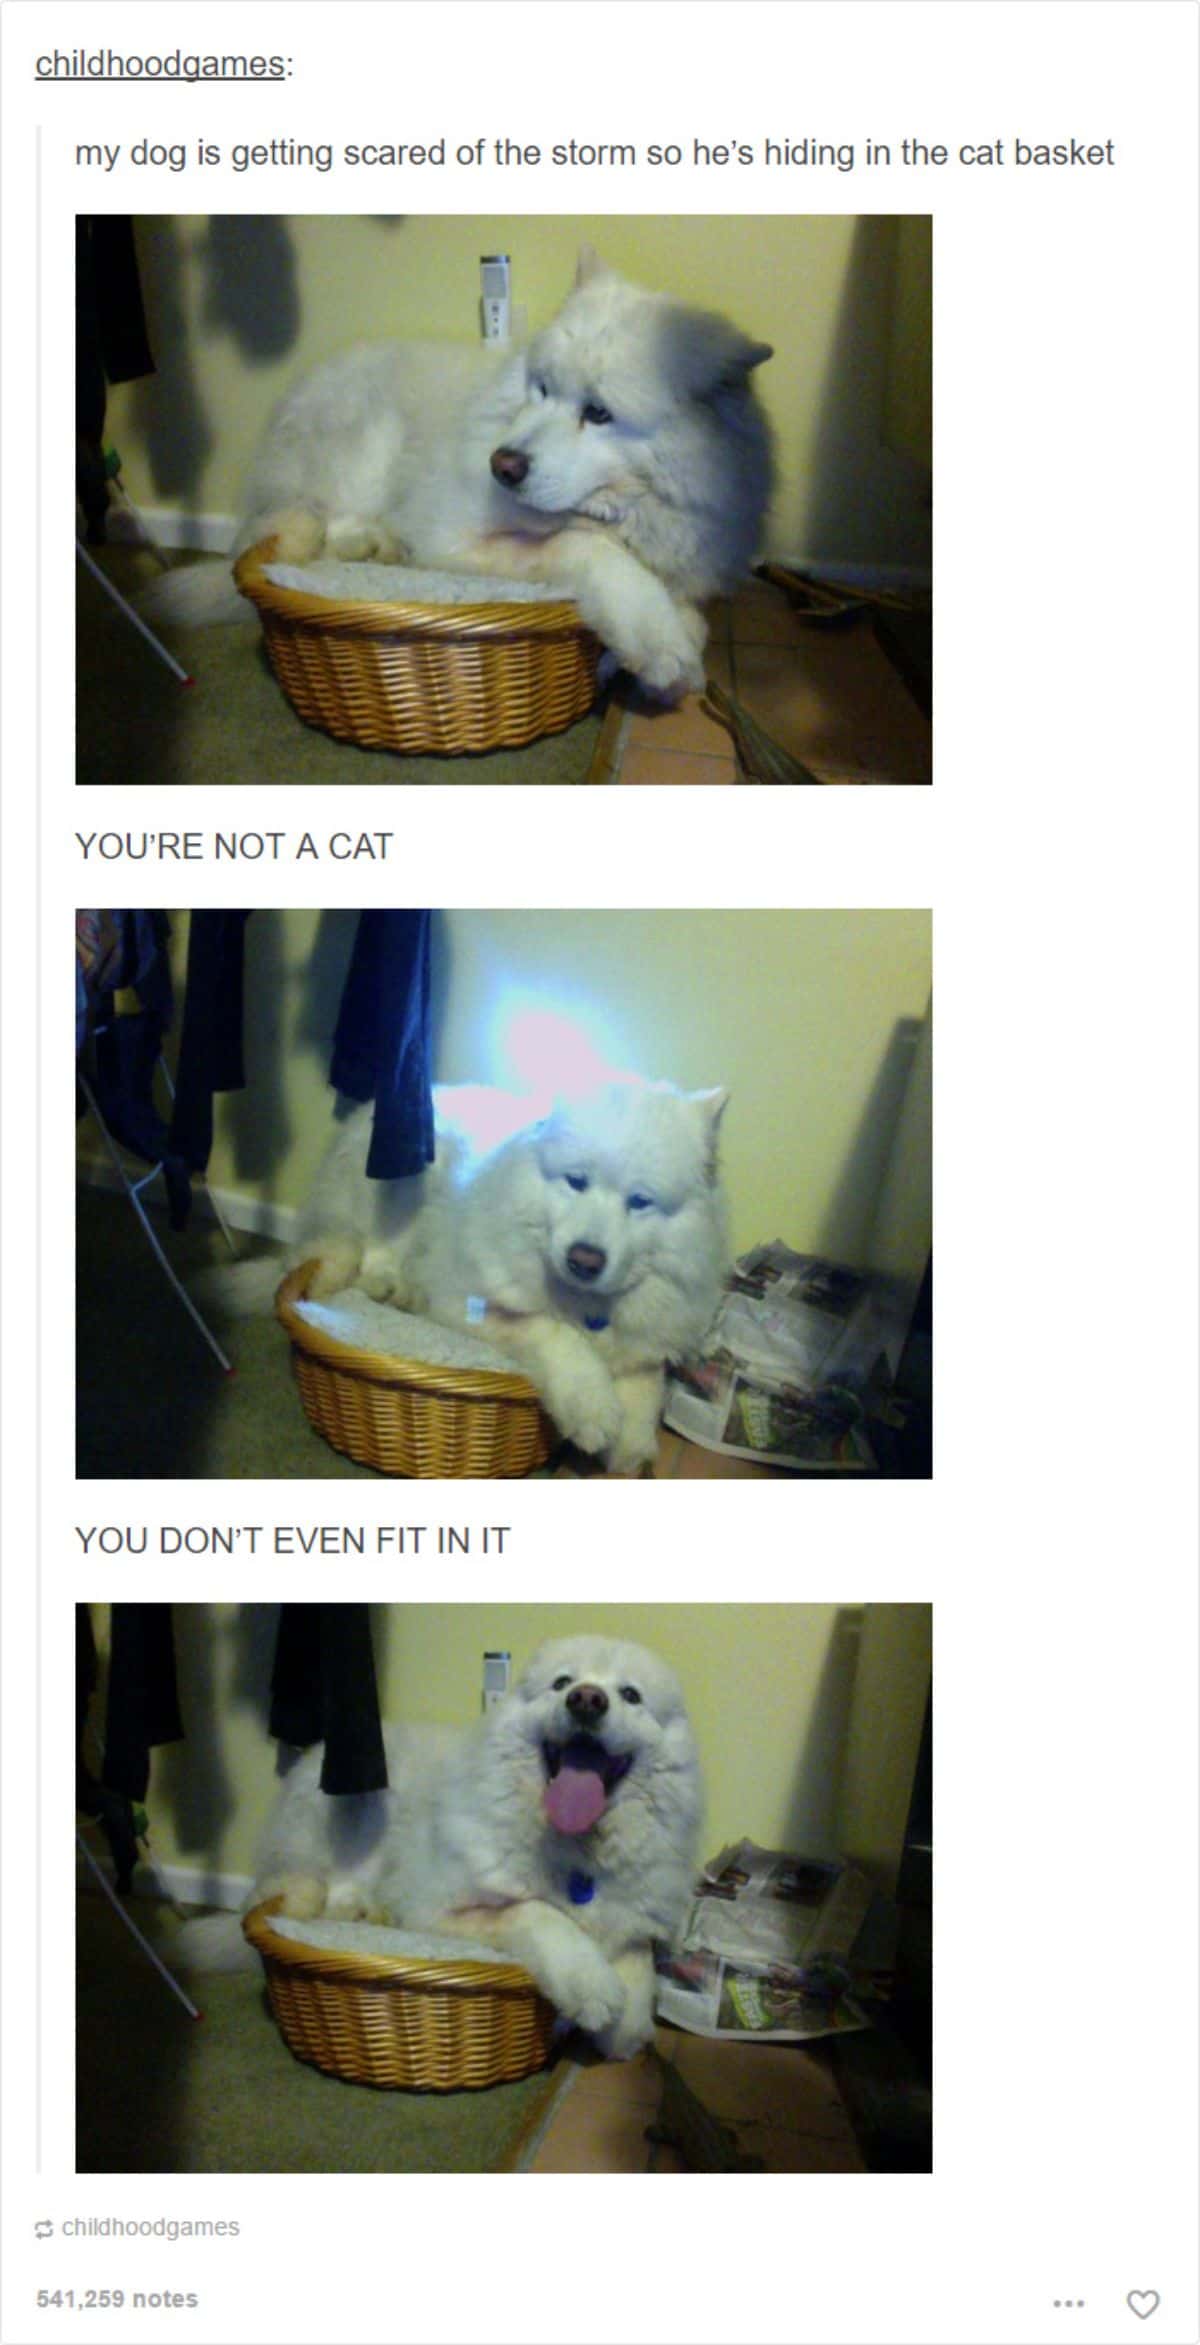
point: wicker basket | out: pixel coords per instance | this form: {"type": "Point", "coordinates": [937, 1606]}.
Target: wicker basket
{"type": "Point", "coordinates": [409, 1416]}
{"type": "Point", "coordinates": [432, 677]}
{"type": "Point", "coordinates": [426, 2026]}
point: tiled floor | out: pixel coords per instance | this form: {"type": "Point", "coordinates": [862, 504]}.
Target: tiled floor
{"type": "Point", "coordinates": [779, 2100]}
{"type": "Point", "coordinates": [827, 694]}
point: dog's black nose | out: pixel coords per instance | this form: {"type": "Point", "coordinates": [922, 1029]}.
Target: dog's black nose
{"type": "Point", "coordinates": [588, 1703]}
{"type": "Point", "coordinates": [586, 1261]}
{"type": "Point", "coordinates": [509, 467]}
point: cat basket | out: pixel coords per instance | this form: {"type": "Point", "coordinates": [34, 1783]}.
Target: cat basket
{"type": "Point", "coordinates": [424, 677]}
{"type": "Point", "coordinates": [425, 2026]}
{"type": "Point", "coordinates": [409, 1416]}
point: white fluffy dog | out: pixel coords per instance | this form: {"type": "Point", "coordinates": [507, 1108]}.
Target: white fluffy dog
{"type": "Point", "coordinates": [622, 457]}
{"type": "Point", "coordinates": [589, 1246]}
{"type": "Point", "coordinates": [560, 1829]}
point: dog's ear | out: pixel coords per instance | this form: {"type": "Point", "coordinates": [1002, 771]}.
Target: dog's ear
{"type": "Point", "coordinates": [712, 1106]}
{"type": "Point", "coordinates": [706, 355]}
{"type": "Point", "coordinates": [589, 266]}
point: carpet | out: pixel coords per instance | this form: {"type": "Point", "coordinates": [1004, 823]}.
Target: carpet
{"type": "Point", "coordinates": [159, 2093]}
{"type": "Point", "coordinates": [135, 723]}
{"type": "Point", "coordinates": [152, 1403]}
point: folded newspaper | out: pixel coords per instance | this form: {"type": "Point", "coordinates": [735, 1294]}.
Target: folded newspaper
{"type": "Point", "coordinates": [801, 1353]}
{"type": "Point", "coordinates": [768, 1949]}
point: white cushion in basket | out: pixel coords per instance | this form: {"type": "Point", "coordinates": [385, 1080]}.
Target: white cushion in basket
{"type": "Point", "coordinates": [335, 1937]}
{"type": "Point", "coordinates": [354, 1318]}
{"type": "Point", "coordinates": [388, 582]}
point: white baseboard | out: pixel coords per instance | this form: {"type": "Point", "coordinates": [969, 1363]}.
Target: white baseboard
{"type": "Point", "coordinates": [203, 533]}
{"type": "Point", "coordinates": [182, 1884]}
{"type": "Point", "coordinates": [194, 1885]}
{"type": "Point", "coordinates": [260, 1217]}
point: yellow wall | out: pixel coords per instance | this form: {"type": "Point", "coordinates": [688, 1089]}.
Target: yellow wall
{"type": "Point", "coordinates": [239, 307]}
{"type": "Point", "coordinates": [808, 1717]}
{"type": "Point", "coordinates": [808, 1018]}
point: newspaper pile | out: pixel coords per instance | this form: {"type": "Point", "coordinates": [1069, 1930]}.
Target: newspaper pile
{"type": "Point", "coordinates": [799, 1355]}
{"type": "Point", "coordinates": [767, 1949]}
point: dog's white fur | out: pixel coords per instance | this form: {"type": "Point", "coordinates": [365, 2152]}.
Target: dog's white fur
{"type": "Point", "coordinates": [646, 456]}
{"type": "Point", "coordinates": [461, 1840]}
{"type": "Point", "coordinates": [491, 1242]}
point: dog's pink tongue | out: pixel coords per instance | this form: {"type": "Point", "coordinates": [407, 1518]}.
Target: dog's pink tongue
{"type": "Point", "coordinates": [574, 1798]}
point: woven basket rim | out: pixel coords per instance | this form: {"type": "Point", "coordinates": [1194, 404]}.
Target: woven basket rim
{"type": "Point", "coordinates": [449, 622]}
{"type": "Point", "coordinates": [348, 1969]}
{"type": "Point", "coordinates": [385, 1367]}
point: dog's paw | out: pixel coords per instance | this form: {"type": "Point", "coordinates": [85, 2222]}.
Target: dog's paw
{"type": "Point", "coordinates": [605, 507]}
{"type": "Point", "coordinates": [377, 1278]}
{"type": "Point", "coordinates": [296, 534]}
{"type": "Point", "coordinates": [586, 1411]}
{"type": "Point", "coordinates": [392, 545]}
{"type": "Point", "coordinates": [338, 1261]}
{"type": "Point", "coordinates": [348, 1903]}
{"type": "Point", "coordinates": [350, 539]}
{"type": "Point", "coordinates": [671, 661]}
{"type": "Point", "coordinates": [635, 1446]}
{"type": "Point", "coordinates": [659, 640]}
{"type": "Point", "coordinates": [635, 2026]}
{"type": "Point", "coordinates": [627, 2036]}
{"type": "Point", "coordinates": [301, 1895]}
{"type": "Point", "coordinates": [586, 1990]}
{"type": "Point", "coordinates": [591, 1431]}
{"type": "Point", "coordinates": [641, 1397]}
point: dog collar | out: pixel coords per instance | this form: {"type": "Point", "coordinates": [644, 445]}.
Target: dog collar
{"type": "Point", "coordinates": [580, 1888]}
{"type": "Point", "coordinates": [594, 1324]}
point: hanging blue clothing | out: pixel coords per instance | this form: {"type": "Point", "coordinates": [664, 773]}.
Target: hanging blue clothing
{"type": "Point", "coordinates": [382, 1046]}
{"type": "Point", "coordinates": [128, 951]}
{"type": "Point", "coordinates": [210, 1043]}
{"type": "Point", "coordinates": [323, 1690]}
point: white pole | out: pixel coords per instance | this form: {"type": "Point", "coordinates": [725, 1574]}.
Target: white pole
{"type": "Point", "coordinates": [131, 1925]}
{"type": "Point", "coordinates": [132, 616]}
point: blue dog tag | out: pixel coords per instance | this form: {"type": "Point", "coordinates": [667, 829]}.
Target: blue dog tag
{"type": "Point", "coordinates": [580, 1888]}
{"type": "Point", "coordinates": [594, 1325]}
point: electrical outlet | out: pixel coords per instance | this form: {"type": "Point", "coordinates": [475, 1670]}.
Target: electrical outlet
{"type": "Point", "coordinates": [497, 1668]}
{"type": "Point", "coordinates": [495, 314]}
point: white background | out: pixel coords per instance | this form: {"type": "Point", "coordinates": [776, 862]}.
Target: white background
{"type": "Point", "coordinates": [1058, 851]}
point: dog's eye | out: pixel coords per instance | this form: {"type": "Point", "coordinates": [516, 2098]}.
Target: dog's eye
{"type": "Point", "coordinates": [593, 412]}
{"type": "Point", "coordinates": [576, 1181]}
{"type": "Point", "coordinates": [639, 1203]}
{"type": "Point", "coordinates": [538, 387]}
{"type": "Point", "coordinates": [560, 1682]}
{"type": "Point", "coordinates": [629, 1693]}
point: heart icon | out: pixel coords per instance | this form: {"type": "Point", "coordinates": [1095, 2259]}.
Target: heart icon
{"type": "Point", "coordinates": [1143, 2301]}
